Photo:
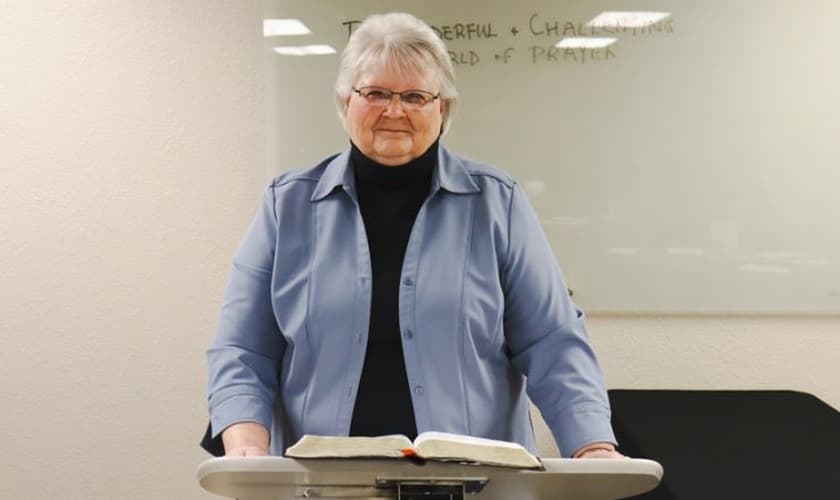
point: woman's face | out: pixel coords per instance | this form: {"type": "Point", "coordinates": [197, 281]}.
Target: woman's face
{"type": "Point", "coordinates": [393, 135]}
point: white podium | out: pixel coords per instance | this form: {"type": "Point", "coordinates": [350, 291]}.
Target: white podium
{"type": "Point", "coordinates": [280, 478]}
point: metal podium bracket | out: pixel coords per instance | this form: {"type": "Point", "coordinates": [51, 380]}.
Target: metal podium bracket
{"type": "Point", "coordinates": [349, 492]}
{"type": "Point", "coordinates": [399, 488]}
{"type": "Point", "coordinates": [432, 488]}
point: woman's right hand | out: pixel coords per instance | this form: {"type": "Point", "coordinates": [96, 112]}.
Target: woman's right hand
{"type": "Point", "coordinates": [246, 439]}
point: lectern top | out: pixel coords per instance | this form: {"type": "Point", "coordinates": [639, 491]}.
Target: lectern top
{"type": "Point", "coordinates": [263, 478]}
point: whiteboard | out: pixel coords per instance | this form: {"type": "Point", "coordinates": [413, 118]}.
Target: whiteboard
{"type": "Point", "coordinates": [691, 166]}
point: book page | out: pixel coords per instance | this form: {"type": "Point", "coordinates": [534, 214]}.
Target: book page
{"type": "Point", "coordinates": [312, 446]}
{"type": "Point", "coordinates": [460, 438]}
{"type": "Point", "coordinates": [455, 447]}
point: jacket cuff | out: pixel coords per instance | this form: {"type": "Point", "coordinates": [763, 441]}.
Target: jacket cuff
{"type": "Point", "coordinates": [239, 408]}
{"type": "Point", "coordinates": [575, 428]}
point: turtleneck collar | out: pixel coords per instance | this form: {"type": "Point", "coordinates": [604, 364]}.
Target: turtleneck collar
{"type": "Point", "coordinates": [374, 172]}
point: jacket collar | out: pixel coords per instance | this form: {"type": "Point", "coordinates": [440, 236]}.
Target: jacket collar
{"type": "Point", "coordinates": [450, 174]}
{"type": "Point", "coordinates": [337, 173]}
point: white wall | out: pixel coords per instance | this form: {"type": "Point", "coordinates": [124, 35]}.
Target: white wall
{"type": "Point", "coordinates": [131, 159]}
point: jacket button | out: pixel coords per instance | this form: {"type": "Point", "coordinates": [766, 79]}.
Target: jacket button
{"type": "Point", "coordinates": [408, 282]}
{"type": "Point", "coordinates": [409, 334]}
{"type": "Point", "coordinates": [418, 389]}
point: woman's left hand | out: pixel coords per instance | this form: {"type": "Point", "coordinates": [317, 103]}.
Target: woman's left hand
{"type": "Point", "coordinates": [600, 453]}
{"type": "Point", "coordinates": [598, 450]}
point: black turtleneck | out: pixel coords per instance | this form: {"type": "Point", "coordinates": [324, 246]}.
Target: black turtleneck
{"type": "Point", "coordinates": [389, 198]}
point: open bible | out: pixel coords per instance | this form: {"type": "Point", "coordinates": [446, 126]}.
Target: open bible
{"type": "Point", "coordinates": [428, 446]}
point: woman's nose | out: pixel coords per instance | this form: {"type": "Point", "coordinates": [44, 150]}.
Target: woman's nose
{"type": "Point", "coordinates": [394, 107]}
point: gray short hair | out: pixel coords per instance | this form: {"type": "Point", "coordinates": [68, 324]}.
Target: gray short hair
{"type": "Point", "coordinates": [400, 41]}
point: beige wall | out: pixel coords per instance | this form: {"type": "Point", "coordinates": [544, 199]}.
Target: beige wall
{"type": "Point", "coordinates": [131, 158]}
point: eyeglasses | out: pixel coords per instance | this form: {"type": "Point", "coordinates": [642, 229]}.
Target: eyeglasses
{"type": "Point", "coordinates": [412, 100]}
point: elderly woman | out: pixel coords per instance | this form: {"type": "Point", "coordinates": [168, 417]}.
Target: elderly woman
{"type": "Point", "coordinates": [397, 287]}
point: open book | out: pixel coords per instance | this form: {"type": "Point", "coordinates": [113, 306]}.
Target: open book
{"type": "Point", "coordinates": [428, 445]}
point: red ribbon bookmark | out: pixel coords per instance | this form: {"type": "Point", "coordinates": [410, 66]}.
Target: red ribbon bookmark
{"type": "Point", "coordinates": [412, 455]}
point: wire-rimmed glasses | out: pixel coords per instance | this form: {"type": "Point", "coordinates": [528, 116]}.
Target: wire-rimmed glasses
{"type": "Point", "coordinates": [412, 100]}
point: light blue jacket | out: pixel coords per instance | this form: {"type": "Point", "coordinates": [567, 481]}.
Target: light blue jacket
{"type": "Point", "coordinates": [483, 309]}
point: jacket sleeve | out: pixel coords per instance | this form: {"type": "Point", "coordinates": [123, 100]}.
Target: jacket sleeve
{"type": "Point", "coordinates": [244, 358]}
{"type": "Point", "coordinates": [546, 336]}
